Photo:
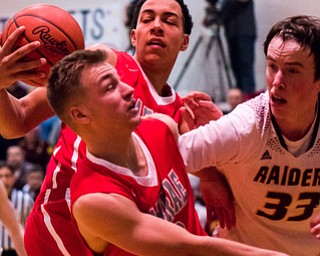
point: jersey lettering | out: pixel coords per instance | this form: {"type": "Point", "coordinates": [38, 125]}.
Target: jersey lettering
{"type": "Point", "coordinates": [143, 110]}
{"type": "Point", "coordinates": [172, 200]}
{"type": "Point", "coordinates": [287, 176]}
{"type": "Point", "coordinates": [162, 209]}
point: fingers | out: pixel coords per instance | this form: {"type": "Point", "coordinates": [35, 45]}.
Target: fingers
{"type": "Point", "coordinates": [14, 65]}
{"type": "Point", "coordinates": [17, 54]}
{"type": "Point", "coordinates": [211, 216]}
{"type": "Point", "coordinates": [315, 221]}
{"type": "Point", "coordinates": [17, 70]}
{"type": "Point", "coordinates": [189, 110]}
{"type": "Point", "coordinates": [233, 218]}
{"type": "Point", "coordinates": [216, 213]}
{"type": "Point", "coordinates": [210, 105]}
{"type": "Point", "coordinates": [315, 226]}
{"type": "Point", "coordinates": [186, 121]}
{"type": "Point", "coordinates": [316, 231]}
{"type": "Point", "coordinates": [29, 66]}
{"type": "Point", "coordinates": [194, 97]}
{"type": "Point", "coordinates": [11, 40]}
{"type": "Point", "coordinates": [21, 52]}
{"type": "Point", "coordinates": [37, 78]}
{"type": "Point", "coordinates": [220, 216]}
{"type": "Point", "coordinates": [190, 101]}
{"type": "Point", "coordinates": [197, 95]}
{"type": "Point", "coordinates": [225, 216]}
{"type": "Point", "coordinates": [229, 219]}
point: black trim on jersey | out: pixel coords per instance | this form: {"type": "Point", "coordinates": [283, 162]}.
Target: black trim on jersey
{"type": "Point", "coordinates": [279, 134]}
{"type": "Point", "coordinates": [316, 125]}
{"type": "Point", "coordinates": [314, 133]}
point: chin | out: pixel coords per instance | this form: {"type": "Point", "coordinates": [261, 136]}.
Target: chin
{"type": "Point", "coordinates": [279, 115]}
{"type": "Point", "coordinates": [136, 121]}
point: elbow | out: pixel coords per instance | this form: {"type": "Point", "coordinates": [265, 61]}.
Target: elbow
{"type": "Point", "coordinates": [16, 133]}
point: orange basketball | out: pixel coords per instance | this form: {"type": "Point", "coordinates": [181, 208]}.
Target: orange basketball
{"type": "Point", "coordinates": [56, 29]}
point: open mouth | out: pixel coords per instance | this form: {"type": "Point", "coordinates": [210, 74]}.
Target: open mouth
{"type": "Point", "coordinates": [278, 100]}
{"type": "Point", "coordinates": [133, 104]}
{"type": "Point", "coordinates": [156, 42]}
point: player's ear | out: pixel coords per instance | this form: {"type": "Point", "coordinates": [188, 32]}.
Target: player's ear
{"type": "Point", "coordinates": [78, 115]}
{"type": "Point", "coordinates": [185, 42]}
{"type": "Point", "coordinates": [133, 37]}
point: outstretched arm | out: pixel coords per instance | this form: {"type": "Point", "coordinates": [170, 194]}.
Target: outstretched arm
{"type": "Point", "coordinates": [8, 218]}
{"type": "Point", "coordinates": [215, 191]}
{"type": "Point", "coordinates": [110, 218]}
{"type": "Point", "coordinates": [18, 116]}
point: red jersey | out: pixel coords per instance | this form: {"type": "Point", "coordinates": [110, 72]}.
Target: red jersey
{"type": "Point", "coordinates": [165, 192]}
{"type": "Point", "coordinates": [148, 100]}
{"type": "Point", "coordinates": [49, 229]}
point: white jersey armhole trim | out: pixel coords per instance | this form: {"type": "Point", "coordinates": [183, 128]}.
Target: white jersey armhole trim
{"type": "Point", "coordinates": [149, 180]}
{"type": "Point", "coordinates": [160, 100]}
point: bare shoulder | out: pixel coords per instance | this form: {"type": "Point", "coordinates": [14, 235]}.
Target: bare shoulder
{"type": "Point", "coordinates": [101, 207]}
{"type": "Point", "coordinates": [98, 200]}
{"type": "Point", "coordinates": [111, 56]}
{"type": "Point", "coordinates": [168, 121]}
{"type": "Point", "coordinates": [95, 211]}
{"type": "Point", "coordinates": [89, 202]}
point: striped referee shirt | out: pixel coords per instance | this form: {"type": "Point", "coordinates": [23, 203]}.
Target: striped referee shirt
{"type": "Point", "coordinates": [22, 204]}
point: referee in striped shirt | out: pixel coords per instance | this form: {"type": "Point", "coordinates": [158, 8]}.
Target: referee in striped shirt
{"type": "Point", "coordinates": [22, 204]}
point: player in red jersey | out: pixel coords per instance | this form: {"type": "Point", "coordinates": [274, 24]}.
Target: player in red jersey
{"type": "Point", "coordinates": [158, 39]}
{"type": "Point", "coordinates": [131, 195]}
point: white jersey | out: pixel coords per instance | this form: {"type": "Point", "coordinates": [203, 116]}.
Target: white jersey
{"type": "Point", "coordinates": [277, 194]}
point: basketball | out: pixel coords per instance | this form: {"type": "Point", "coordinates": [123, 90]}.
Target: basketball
{"type": "Point", "coordinates": [56, 30]}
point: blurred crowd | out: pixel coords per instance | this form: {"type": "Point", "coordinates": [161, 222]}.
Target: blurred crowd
{"type": "Point", "coordinates": [28, 156]}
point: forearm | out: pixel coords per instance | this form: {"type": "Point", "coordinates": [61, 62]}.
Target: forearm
{"type": "Point", "coordinates": [16, 234]}
{"type": "Point", "coordinates": [167, 239]}
{"type": "Point", "coordinates": [8, 218]}
{"type": "Point", "coordinates": [106, 218]}
{"type": "Point", "coordinates": [223, 247]}
{"type": "Point", "coordinates": [10, 115]}
{"type": "Point", "coordinates": [17, 238]}
{"type": "Point", "coordinates": [18, 116]}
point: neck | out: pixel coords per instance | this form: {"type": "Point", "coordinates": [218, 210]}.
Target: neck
{"type": "Point", "coordinates": [124, 151]}
{"type": "Point", "coordinates": [297, 129]}
{"type": "Point", "coordinates": [158, 81]}
{"type": "Point", "coordinates": [158, 75]}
